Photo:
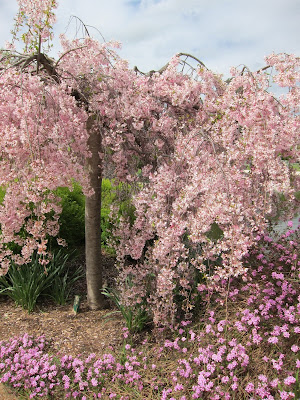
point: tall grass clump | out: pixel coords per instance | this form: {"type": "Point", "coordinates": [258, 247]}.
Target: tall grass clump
{"type": "Point", "coordinates": [27, 283]}
{"type": "Point", "coordinates": [65, 275]}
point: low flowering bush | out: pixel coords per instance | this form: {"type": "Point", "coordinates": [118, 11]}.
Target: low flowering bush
{"type": "Point", "coordinates": [26, 364]}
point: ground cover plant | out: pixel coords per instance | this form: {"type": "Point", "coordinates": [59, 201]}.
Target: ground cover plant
{"type": "Point", "coordinates": [246, 346]}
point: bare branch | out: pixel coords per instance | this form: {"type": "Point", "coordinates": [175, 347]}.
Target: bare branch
{"type": "Point", "coordinates": [82, 23]}
{"type": "Point", "coordinates": [193, 57]}
{"type": "Point", "coordinates": [184, 62]}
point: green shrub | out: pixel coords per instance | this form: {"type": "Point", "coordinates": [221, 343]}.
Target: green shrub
{"type": "Point", "coordinates": [119, 195]}
{"type": "Point", "coordinates": [107, 198]}
{"type": "Point", "coordinates": [72, 217]}
{"type": "Point", "coordinates": [2, 194]}
{"type": "Point", "coordinates": [71, 221]}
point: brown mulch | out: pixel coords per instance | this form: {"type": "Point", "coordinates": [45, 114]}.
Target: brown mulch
{"type": "Point", "coordinates": [6, 393]}
{"type": "Point", "coordinates": [84, 333]}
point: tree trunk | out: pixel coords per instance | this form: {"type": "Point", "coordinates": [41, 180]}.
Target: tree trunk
{"type": "Point", "coordinates": [93, 220]}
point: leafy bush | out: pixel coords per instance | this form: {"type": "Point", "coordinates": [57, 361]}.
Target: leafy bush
{"type": "Point", "coordinates": [72, 225]}
{"type": "Point", "coordinates": [72, 217]}
{"type": "Point", "coordinates": [2, 194]}
{"type": "Point", "coordinates": [107, 198]}
{"type": "Point", "coordinates": [116, 198]}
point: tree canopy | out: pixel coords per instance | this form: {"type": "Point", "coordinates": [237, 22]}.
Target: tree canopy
{"type": "Point", "coordinates": [207, 153]}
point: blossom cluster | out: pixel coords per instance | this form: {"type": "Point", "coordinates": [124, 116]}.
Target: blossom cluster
{"type": "Point", "coordinates": [31, 135]}
{"type": "Point", "coordinates": [38, 18]}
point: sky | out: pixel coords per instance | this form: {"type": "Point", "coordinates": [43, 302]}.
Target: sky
{"type": "Point", "coordinates": [221, 33]}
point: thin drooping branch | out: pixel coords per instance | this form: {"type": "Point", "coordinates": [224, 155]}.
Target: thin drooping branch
{"type": "Point", "coordinates": [183, 62]}
{"type": "Point", "coordinates": [82, 24]}
{"type": "Point", "coordinates": [67, 52]}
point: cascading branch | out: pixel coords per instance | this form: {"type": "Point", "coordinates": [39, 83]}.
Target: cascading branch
{"type": "Point", "coordinates": [202, 208]}
{"type": "Point", "coordinates": [206, 153]}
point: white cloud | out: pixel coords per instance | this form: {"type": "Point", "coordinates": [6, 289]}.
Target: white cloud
{"type": "Point", "coordinates": [221, 33]}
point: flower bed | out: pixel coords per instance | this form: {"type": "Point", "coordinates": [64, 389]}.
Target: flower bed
{"type": "Point", "coordinates": [246, 347]}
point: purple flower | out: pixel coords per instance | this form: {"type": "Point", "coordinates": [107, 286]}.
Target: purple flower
{"type": "Point", "coordinates": [273, 339]}
{"type": "Point", "coordinates": [284, 395]}
{"type": "Point", "coordinates": [289, 380]}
